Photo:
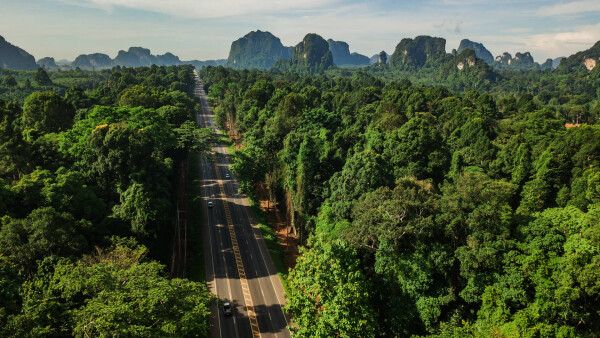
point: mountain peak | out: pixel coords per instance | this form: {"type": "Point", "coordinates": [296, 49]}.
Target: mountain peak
{"type": "Point", "coordinates": [479, 49]}
{"type": "Point", "coordinates": [342, 56]}
{"type": "Point", "coordinates": [416, 52]}
{"type": "Point", "coordinates": [13, 57]}
{"type": "Point", "coordinates": [257, 49]}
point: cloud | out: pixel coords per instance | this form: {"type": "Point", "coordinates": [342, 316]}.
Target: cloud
{"type": "Point", "coordinates": [570, 8]}
{"type": "Point", "coordinates": [449, 25]}
{"type": "Point", "coordinates": [368, 31]}
{"type": "Point", "coordinates": [203, 9]}
{"type": "Point", "coordinates": [563, 43]}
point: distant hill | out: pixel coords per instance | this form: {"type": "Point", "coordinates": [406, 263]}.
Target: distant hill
{"type": "Point", "coordinates": [547, 64]}
{"type": "Point", "coordinates": [167, 59]}
{"type": "Point", "coordinates": [341, 54]}
{"type": "Point", "coordinates": [63, 62]}
{"type": "Point", "coordinates": [47, 63]}
{"type": "Point", "coordinates": [200, 64]}
{"type": "Point", "coordinates": [375, 58]}
{"type": "Point", "coordinates": [13, 57]}
{"type": "Point", "coordinates": [310, 56]}
{"type": "Point", "coordinates": [135, 57]}
{"type": "Point", "coordinates": [556, 61]}
{"type": "Point", "coordinates": [468, 62]}
{"type": "Point", "coordinates": [587, 60]}
{"type": "Point", "coordinates": [257, 50]}
{"type": "Point", "coordinates": [98, 60]}
{"type": "Point", "coordinates": [521, 61]}
{"type": "Point", "coordinates": [410, 54]}
{"type": "Point", "coordinates": [479, 49]}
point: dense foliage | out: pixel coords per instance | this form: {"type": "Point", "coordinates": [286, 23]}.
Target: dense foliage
{"type": "Point", "coordinates": [427, 212]}
{"type": "Point", "coordinates": [86, 205]}
{"type": "Point", "coordinates": [18, 85]}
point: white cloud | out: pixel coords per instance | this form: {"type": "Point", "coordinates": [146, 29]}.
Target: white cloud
{"type": "Point", "coordinates": [565, 43]}
{"type": "Point", "coordinates": [546, 45]}
{"type": "Point", "coordinates": [202, 9]}
{"type": "Point", "coordinates": [570, 8]}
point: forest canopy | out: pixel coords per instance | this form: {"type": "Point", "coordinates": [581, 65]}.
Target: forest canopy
{"type": "Point", "coordinates": [426, 211]}
{"type": "Point", "coordinates": [87, 179]}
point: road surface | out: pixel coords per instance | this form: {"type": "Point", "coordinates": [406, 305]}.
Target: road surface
{"type": "Point", "coordinates": [239, 268]}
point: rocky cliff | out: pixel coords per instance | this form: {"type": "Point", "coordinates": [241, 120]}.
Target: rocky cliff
{"type": "Point", "coordinates": [310, 56]}
{"type": "Point", "coordinates": [519, 62]}
{"type": "Point", "coordinates": [377, 58]}
{"type": "Point", "coordinates": [584, 61]}
{"type": "Point", "coordinates": [88, 61]}
{"type": "Point", "coordinates": [13, 57]}
{"type": "Point", "coordinates": [135, 57]}
{"type": "Point", "coordinates": [167, 59]}
{"type": "Point", "coordinates": [341, 54]}
{"type": "Point", "coordinates": [556, 62]}
{"type": "Point", "coordinates": [257, 50]}
{"type": "Point", "coordinates": [414, 53]}
{"type": "Point", "coordinates": [47, 63]}
{"type": "Point", "coordinates": [479, 49]}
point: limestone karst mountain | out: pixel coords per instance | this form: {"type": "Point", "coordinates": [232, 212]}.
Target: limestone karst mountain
{"type": "Point", "coordinates": [479, 49]}
{"type": "Point", "coordinates": [257, 49]}
{"type": "Point", "coordinates": [13, 57]}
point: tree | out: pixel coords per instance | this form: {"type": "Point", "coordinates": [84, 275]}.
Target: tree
{"type": "Point", "coordinates": [363, 172]}
{"type": "Point", "coordinates": [329, 296]}
{"type": "Point", "coordinates": [477, 215]}
{"type": "Point", "coordinates": [42, 78]}
{"type": "Point", "coordinates": [116, 151]}
{"type": "Point", "coordinates": [416, 149]}
{"type": "Point", "coordinates": [250, 164]}
{"type": "Point", "coordinates": [141, 209]}
{"type": "Point", "coordinates": [387, 220]}
{"type": "Point", "coordinates": [45, 231]}
{"type": "Point", "coordinates": [47, 112]}
{"type": "Point", "coordinates": [190, 137]}
{"type": "Point", "coordinates": [140, 96]}
{"type": "Point", "coordinates": [112, 292]}
{"type": "Point", "coordinates": [9, 81]}
{"type": "Point", "coordinates": [14, 151]}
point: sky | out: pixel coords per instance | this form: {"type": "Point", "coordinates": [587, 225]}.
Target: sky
{"type": "Point", "coordinates": [204, 29]}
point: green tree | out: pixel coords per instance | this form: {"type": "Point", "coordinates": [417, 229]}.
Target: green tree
{"type": "Point", "coordinates": [190, 137]}
{"type": "Point", "coordinates": [363, 172]}
{"type": "Point", "coordinates": [47, 112]}
{"type": "Point", "coordinates": [329, 296]}
{"type": "Point", "coordinates": [43, 232]}
{"type": "Point", "coordinates": [14, 151]}
{"type": "Point", "coordinates": [141, 209]}
{"type": "Point", "coordinates": [42, 78]}
{"type": "Point", "coordinates": [112, 292]}
{"type": "Point", "coordinates": [9, 81]}
{"type": "Point", "coordinates": [477, 215]}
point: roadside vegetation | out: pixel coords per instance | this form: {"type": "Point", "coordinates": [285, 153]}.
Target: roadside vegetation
{"type": "Point", "coordinates": [86, 202]}
{"type": "Point", "coordinates": [424, 211]}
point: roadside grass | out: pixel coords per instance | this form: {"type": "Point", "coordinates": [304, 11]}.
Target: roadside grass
{"type": "Point", "coordinates": [272, 242]}
{"type": "Point", "coordinates": [195, 263]}
{"type": "Point", "coordinates": [224, 139]}
{"type": "Point", "coordinates": [269, 236]}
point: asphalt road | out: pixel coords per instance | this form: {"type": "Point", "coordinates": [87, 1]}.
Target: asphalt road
{"type": "Point", "coordinates": [239, 268]}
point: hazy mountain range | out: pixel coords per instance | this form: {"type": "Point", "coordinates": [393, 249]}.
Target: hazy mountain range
{"type": "Point", "coordinates": [263, 50]}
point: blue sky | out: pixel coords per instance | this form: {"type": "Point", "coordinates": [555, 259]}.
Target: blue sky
{"type": "Point", "coordinates": [204, 29]}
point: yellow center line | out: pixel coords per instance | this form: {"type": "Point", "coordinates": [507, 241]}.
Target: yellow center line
{"type": "Point", "coordinates": [236, 252]}
{"type": "Point", "coordinates": [238, 257]}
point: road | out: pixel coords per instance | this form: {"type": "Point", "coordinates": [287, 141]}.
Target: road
{"type": "Point", "coordinates": [238, 266]}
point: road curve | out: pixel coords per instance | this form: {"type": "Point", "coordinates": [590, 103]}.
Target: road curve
{"type": "Point", "coordinates": [239, 268]}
